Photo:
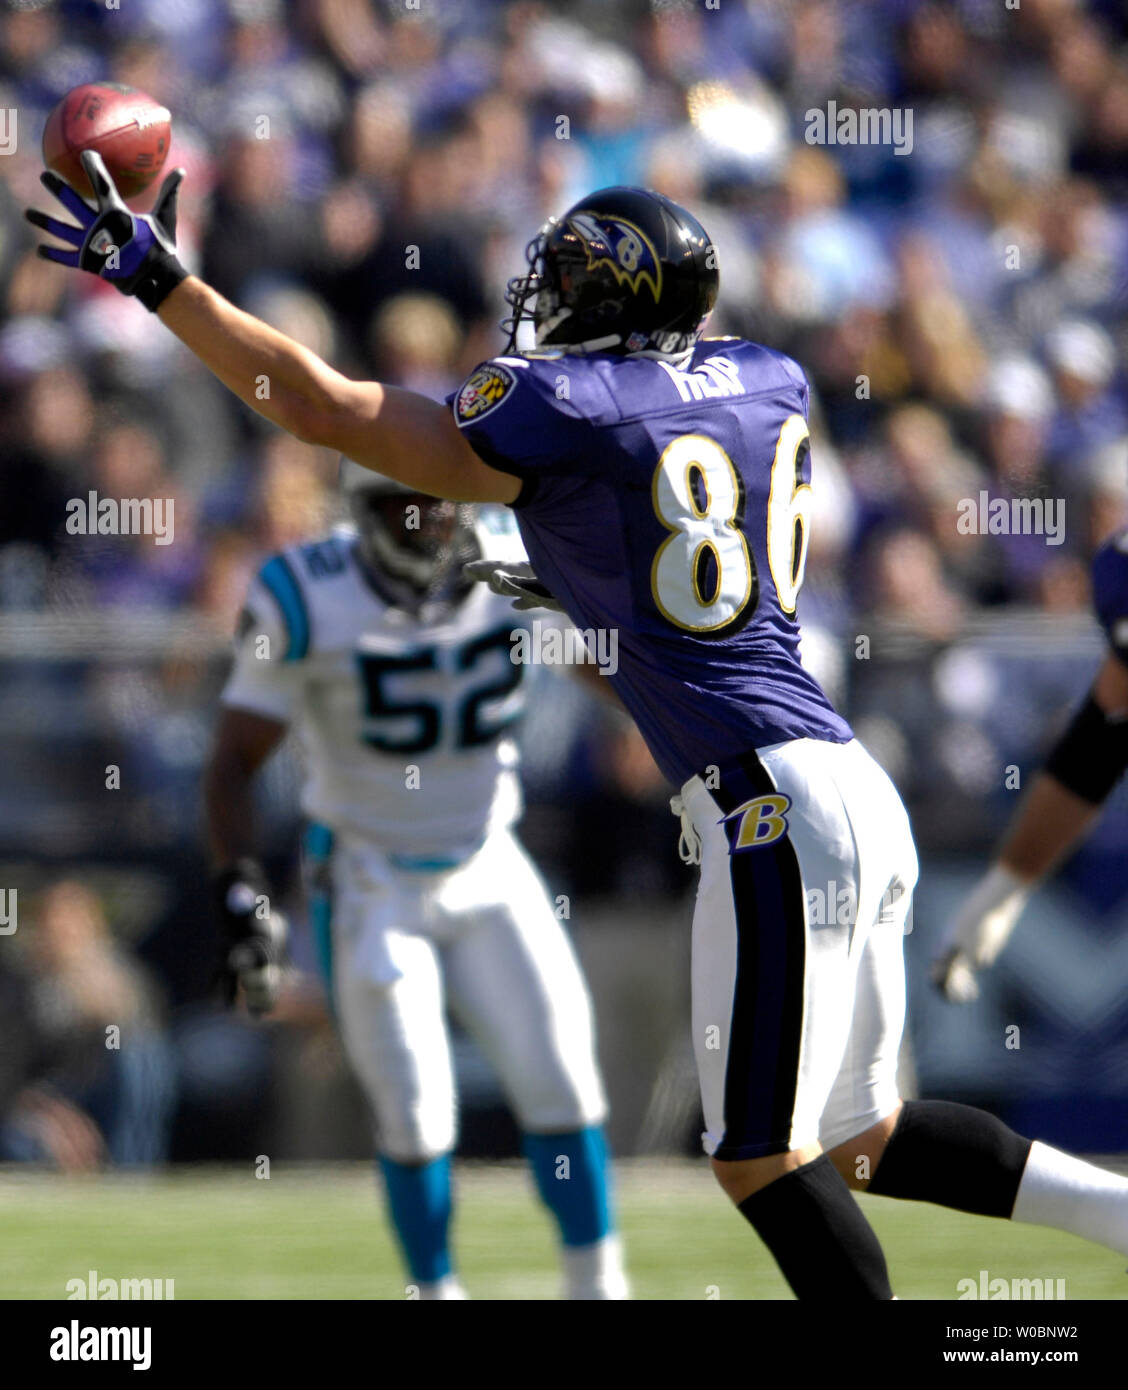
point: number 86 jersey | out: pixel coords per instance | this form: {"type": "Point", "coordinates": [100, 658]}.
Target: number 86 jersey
{"type": "Point", "coordinates": [672, 504]}
{"type": "Point", "coordinates": [404, 719]}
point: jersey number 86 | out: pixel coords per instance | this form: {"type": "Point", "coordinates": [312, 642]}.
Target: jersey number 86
{"type": "Point", "coordinates": [704, 576]}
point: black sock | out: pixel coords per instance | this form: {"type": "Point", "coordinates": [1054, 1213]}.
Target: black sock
{"type": "Point", "coordinates": [822, 1243]}
{"type": "Point", "coordinates": [953, 1155]}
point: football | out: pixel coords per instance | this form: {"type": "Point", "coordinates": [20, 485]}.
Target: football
{"type": "Point", "coordinates": [130, 130]}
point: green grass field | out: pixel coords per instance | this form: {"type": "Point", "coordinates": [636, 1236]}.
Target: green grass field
{"type": "Point", "coordinates": [319, 1233]}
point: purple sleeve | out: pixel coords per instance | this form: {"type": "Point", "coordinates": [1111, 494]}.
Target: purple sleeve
{"type": "Point", "coordinates": [515, 420]}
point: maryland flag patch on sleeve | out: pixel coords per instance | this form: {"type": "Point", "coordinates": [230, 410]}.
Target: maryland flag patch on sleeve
{"type": "Point", "coordinates": [484, 390]}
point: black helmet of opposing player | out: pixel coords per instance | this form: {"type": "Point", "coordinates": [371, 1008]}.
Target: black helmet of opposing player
{"type": "Point", "coordinates": [417, 540]}
{"type": "Point", "coordinates": [625, 270]}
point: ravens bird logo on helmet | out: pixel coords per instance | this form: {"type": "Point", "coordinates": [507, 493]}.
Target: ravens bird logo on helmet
{"type": "Point", "coordinates": [619, 244]}
{"type": "Point", "coordinates": [624, 270]}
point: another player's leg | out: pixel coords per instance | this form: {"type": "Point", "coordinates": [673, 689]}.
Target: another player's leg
{"type": "Point", "coordinates": [419, 1207]}
{"type": "Point", "coordinates": [388, 998]}
{"type": "Point", "coordinates": [772, 1000]}
{"type": "Point", "coordinates": [395, 1034]}
{"type": "Point", "coordinates": [515, 983]}
{"type": "Point", "coordinates": [571, 1169]}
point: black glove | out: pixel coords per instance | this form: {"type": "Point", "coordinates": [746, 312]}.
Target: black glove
{"type": "Point", "coordinates": [513, 579]}
{"type": "Point", "coordinates": [135, 253]}
{"type": "Point", "coordinates": [254, 936]}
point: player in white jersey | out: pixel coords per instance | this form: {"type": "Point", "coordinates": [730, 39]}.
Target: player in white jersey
{"type": "Point", "coordinates": [396, 673]}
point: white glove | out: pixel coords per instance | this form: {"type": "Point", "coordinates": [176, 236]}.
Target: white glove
{"type": "Point", "coordinates": [978, 932]}
{"type": "Point", "coordinates": [513, 579]}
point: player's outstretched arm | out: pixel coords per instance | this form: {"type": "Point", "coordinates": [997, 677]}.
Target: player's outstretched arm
{"type": "Point", "coordinates": [399, 433]}
{"type": "Point", "coordinates": [1062, 806]}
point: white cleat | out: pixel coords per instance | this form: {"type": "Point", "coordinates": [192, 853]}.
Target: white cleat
{"type": "Point", "coordinates": [595, 1272]}
{"type": "Point", "coordinates": [447, 1287]}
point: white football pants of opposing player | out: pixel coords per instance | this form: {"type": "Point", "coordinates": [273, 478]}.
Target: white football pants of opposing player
{"type": "Point", "coordinates": [481, 938]}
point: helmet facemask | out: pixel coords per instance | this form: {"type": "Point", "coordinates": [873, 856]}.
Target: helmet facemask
{"type": "Point", "coordinates": [419, 543]}
{"type": "Point", "coordinates": [523, 293]}
{"type": "Point", "coordinates": [546, 312]}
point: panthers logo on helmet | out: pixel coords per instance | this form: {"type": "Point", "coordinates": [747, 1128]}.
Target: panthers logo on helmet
{"type": "Point", "coordinates": [484, 389]}
{"type": "Point", "coordinates": [619, 244]}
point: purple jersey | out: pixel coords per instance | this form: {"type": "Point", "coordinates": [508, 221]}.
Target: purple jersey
{"type": "Point", "coordinates": [674, 507]}
{"type": "Point", "coordinates": [1110, 591]}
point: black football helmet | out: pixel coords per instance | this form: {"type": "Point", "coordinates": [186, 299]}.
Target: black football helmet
{"type": "Point", "coordinates": [625, 270]}
{"type": "Point", "coordinates": [419, 552]}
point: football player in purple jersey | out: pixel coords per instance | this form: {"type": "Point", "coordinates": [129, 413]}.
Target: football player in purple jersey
{"type": "Point", "coordinates": [1064, 802]}
{"type": "Point", "coordinates": [661, 483]}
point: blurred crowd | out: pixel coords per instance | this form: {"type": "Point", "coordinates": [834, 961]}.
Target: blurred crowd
{"type": "Point", "coordinates": [85, 1072]}
{"type": "Point", "coordinates": [365, 175]}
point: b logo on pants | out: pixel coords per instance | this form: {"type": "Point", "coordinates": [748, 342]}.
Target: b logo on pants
{"type": "Point", "coordinates": [762, 821]}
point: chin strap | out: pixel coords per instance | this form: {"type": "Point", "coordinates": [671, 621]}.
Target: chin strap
{"type": "Point", "coordinates": [678, 358]}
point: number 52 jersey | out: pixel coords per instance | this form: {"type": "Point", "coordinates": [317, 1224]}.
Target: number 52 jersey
{"type": "Point", "coordinates": [674, 505]}
{"type": "Point", "coordinates": [403, 719]}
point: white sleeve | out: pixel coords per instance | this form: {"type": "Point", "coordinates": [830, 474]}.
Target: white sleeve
{"type": "Point", "coordinates": [266, 679]}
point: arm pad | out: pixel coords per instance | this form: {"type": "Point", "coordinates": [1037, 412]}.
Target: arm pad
{"type": "Point", "coordinates": [1091, 755]}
